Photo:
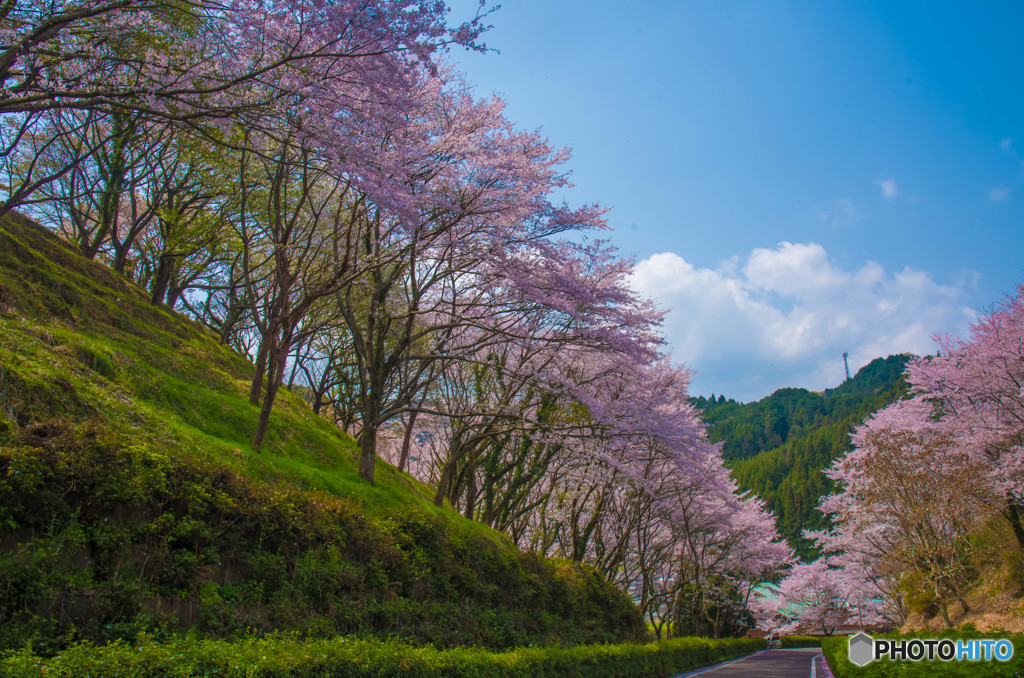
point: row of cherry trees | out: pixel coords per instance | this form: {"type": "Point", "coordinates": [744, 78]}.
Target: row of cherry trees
{"type": "Point", "coordinates": [600, 459]}
{"type": "Point", "coordinates": [312, 182]}
{"type": "Point", "coordinates": [927, 474]}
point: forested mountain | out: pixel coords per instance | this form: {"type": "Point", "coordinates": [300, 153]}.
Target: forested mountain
{"type": "Point", "coordinates": [779, 445]}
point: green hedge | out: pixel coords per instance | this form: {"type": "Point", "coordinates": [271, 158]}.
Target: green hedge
{"type": "Point", "coordinates": [835, 651]}
{"type": "Point", "coordinates": [800, 641]}
{"type": "Point", "coordinates": [281, 656]}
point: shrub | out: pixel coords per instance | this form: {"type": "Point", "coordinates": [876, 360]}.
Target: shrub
{"type": "Point", "coordinates": [800, 641]}
{"type": "Point", "coordinates": [835, 651]}
{"type": "Point", "coordinates": [287, 656]}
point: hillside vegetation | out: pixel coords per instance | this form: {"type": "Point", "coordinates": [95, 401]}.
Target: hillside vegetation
{"type": "Point", "coordinates": [131, 499]}
{"type": "Point", "coordinates": [940, 548]}
{"type": "Point", "coordinates": [779, 445]}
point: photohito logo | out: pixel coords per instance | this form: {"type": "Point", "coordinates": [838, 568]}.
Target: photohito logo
{"type": "Point", "coordinates": [864, 649]}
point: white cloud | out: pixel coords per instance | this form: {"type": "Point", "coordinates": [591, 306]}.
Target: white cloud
{"type": "Point", "coordinates": [1006, 145]}
{"type": "Point", "coordinates": [999, 193]}
{"type": "Point", "coordinates": [792, 269]}
{"type": "Point", "coordinates": [889, 188]}
{"type": "Point", "coordinates": [783, 316]}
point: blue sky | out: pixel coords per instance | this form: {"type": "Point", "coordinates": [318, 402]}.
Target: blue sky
{"type": "Point", "coordinates": [795, 180]}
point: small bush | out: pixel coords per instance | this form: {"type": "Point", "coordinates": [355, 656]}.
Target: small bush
{"type": "Point", "coordinates": [800, 641]}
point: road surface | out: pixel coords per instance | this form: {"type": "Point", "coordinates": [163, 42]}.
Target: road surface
{"type": "Point", "coordinates": [790, 663]}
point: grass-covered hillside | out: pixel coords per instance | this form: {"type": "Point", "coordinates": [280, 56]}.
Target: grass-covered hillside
{"type": "Point", "coordinates": [130, 498]}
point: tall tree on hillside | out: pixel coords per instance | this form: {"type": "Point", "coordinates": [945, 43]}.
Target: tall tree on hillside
{"type": "Point", "coordinates": [300, 223]}
{"type": "Point", "coordinates": [457, 259]}
{"type": "Point", "coordinates": [149, 181]}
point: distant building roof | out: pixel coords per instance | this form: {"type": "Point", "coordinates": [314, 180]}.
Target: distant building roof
{"type": "Point", "coordinates": [766, 590]}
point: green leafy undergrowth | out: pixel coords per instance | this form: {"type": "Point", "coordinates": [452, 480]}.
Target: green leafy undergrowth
{"type": "Point", "coordinates": [836, 649]}
{"type": "Point", "coordinates": [284, 656]}
{"type": "Point", "coordinates": [131, 500]}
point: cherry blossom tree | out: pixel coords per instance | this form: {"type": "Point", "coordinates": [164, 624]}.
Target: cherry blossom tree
{"type": "Point", "coordinates": [913, 495]}
{"type": "Point", "coordinates": [466, 265]}
{"type": "Point", "coordinates": [195, 57]}
{"type": "Point", "coordinates": [210, 65]}
{"type": "Point", "coordinates": [928, 472]}
{"type": "Point", "coordinates": [629, 483]}
{"type": "Point", "coordinates": [858, 550]}
{"type": "Point", "coordinates": [300, 221]}
{"type": "Point", "coordinates": [817, 595]}
{"type": "Point", "coordinates": [975, 387]}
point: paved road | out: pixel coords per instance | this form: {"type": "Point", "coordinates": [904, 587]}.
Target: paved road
{"type": "Point", "coordinates": [792, 663]}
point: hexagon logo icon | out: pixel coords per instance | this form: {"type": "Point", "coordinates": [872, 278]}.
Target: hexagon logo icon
{"type": "Point", "coordinates": [861, 649]}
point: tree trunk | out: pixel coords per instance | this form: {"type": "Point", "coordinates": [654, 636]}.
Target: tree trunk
{"type": "Point", "coordinates": [234, 311]}
{"type": "Point", "coordinates": [470, 495]}
{"type": "Point", "coordinates": [1015, 514]}
{"type": "Point", "coordinates": [403, 458]}
{"type": "Point", "coordinates": [295, 365]}
{"type": "Point", "coordinates": [161, 279]}
{"type": "Point", "coordinates": [367, 451]}
{"type": "Point", "coordinates": [264, 419]}
{"type": "Point", "coordinates": [258, 372]}
{"type": "Point", "coordinates": [121, 257]}
{"type": "Point", "coordinates": [714, 621]}
{"type": "Point", "coordinates": [442, 484]}
{"type": "Point", "coordinates": [295, 369]}
{"type": "Point", "coordinates": [231, 318]}
{"type": "Point", "coordinates": [368, 434]}
{"type": "Point", "coordinates": [275, 376]}
{"type": "Point", "coordinates": [93, 248]}
{"type": "Point", "coordinates": [112, 169]}
{"type": "Point", "coordinates": [943, 608]}
{"type": "Point", "coordinates": [174, 292]}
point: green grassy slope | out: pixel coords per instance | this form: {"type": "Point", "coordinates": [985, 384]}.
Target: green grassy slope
{"type": "Point", "coordinates": [130, 498]}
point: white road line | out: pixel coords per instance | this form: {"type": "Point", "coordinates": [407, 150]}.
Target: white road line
{"type": "Point", "coordinates": [814, 665]}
